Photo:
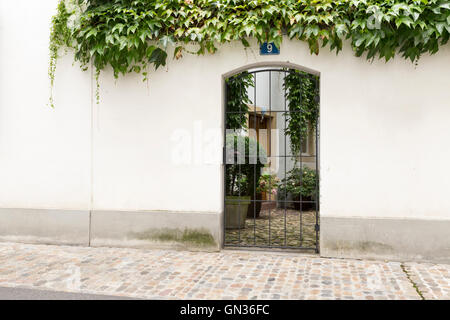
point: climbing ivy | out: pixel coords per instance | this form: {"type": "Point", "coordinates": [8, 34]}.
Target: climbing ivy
{"type": "Point", "coordinates": [131, 35]}
{"type": "Point", "coordinates": [238, 100]}
{"type": "Point", "coordinates": [302, 95]}
{"type": "Point", "coordinates": [60, 35]}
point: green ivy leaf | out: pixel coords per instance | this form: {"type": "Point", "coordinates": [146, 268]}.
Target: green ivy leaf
{"type": "Point", "coordinates": [245, 43]}
{"type": "Point", "coordinates": [341, 30]}
{"type": "Point", "coordinates": [92, 32]}
{"type": "Point", "coordinates": [158, 58]}
{"type": "Point", "coordinates": [118, 27]}
{"type": "Point", "coordinates": [440, 27]}
{"type": "Point", "coordinates": [403, 20]}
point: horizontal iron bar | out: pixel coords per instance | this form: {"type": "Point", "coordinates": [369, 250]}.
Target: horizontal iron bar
{"type": "Point", "coordinates": [267, 201]}
{"type": "Point", "coordinates": [311, 225]}
{"type": "Point", "coordinates": [265, 112]}
{"type": "Point", "coordinates": [287, 70]}
{"type": "Point", "coordinates": [279, 156]}
{"type": "Point", "coordinates": [268, 247]}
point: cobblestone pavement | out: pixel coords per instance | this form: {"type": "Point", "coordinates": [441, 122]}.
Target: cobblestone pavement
{"type": "Point", "coordinates": [274, 226]}
{"type": "Point", "coordinates": [432, 280]}
{"type": "Point", "coordinates": [166, 274]}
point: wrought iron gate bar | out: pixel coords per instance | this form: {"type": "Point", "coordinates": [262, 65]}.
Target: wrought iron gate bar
{"type": "Point", "coordinates": [303, 75]}
{"type": "Point", "coordinates": [301, 168]}
{"type": "Point", "coordinates": [285, 166]}
{"type": "Point", "coordinates": [274, 111]}
{"type": "Point", "coordinates": [283, 156]}
{"type": "Point", "coordinates": [254, 167]}
{"type": "Point", "coordinates": [276, 201]}
{"type": "Point", "coordinates": [270, 109]}
{"type": "Point", "coordinates": [271, 247]}
{"type": "Point", "coordinates": [317, 96]}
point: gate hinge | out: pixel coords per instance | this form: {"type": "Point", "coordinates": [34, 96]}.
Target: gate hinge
{"type": "Point", "coordinates": [317, 227]}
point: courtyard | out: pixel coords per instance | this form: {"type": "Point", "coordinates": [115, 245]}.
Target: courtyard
{"type": "Point", "coordinates": [170, 274]}
{"type": "Point", "coordinates": [276, 227]}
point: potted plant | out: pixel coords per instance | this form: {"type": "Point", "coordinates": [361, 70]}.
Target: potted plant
{"type": "Point", "coordinates": [299, 187]}
{"type": "Point", "coordinates": [242, 170]}
{"type": "Point", "coordinates": [237, 200]}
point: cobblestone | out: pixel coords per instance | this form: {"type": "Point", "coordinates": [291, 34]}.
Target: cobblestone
{"type": "Point", "coordinates": [276, 227]}
{"type": "Point", "coordinates": [432, 280]}
{"type": "Point", "coordinates": [166, 274]}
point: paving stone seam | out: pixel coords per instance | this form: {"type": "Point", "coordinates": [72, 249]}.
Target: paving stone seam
{"type": "Point", "coordinates": [415, 286]}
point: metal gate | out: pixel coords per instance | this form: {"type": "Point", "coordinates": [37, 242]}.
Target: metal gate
{"type": "Point", "coordinates": [271, 164]}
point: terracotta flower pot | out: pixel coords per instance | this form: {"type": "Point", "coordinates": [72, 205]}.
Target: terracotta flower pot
{"type": "Point", "coordinates": [236, 211]}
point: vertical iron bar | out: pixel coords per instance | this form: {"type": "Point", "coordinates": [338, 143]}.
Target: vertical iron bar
{"type": "Point", "coordinates": [270, 112]}
{"type": "Point", "coordinates": [254, 166]}
{"type": "Point", "coordinates": [225, 165]}
{"type": "Point", "coordinates": [301, 158]}
{"type": "Point", "coordinates": [240, 173]}
{"type": "Point", "coordinates": [285, 160]}
{"type": "Point", "coordinates": [317, 127]}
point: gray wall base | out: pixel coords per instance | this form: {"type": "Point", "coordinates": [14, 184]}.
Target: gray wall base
{"type": "Point", "coordinates": [45, 226]}
{"type": "Point", "coordinates": [386, 239]}
{"type": "Point", "coordinates": [360, 238]}
{"type": "Point", "coordinates": [179, 230]}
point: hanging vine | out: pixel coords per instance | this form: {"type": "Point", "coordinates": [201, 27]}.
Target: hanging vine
{"type": "Point", "coordinates": [60, 35]}
{"type": "Point", "coordinates": [129, 35]}
{"type": "Point", "coordinates": [302, 95]}
{"type": "Point", "coordinates": [238, 100]}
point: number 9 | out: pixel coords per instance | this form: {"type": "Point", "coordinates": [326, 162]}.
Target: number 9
{"type": "Point", "coordinates": [269, 47]}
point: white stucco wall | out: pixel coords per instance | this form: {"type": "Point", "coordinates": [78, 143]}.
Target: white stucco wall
{"type": "Point", "coordinates": [44, 152]}
{"type": "Point", "coordinates": [384, 129]}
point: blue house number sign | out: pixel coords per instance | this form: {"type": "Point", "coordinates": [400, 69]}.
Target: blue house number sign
{"type": "Point", "coordinates": [268, 48]}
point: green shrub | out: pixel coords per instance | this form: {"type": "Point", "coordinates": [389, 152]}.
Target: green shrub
{"type": "Point", "coordinates": [243, 170]}
{"type": "Point", "coordinates": [298, 182]}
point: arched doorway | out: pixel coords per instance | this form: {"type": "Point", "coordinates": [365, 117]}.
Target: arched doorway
{"type": "Point", "coordinates": [271, 161]}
